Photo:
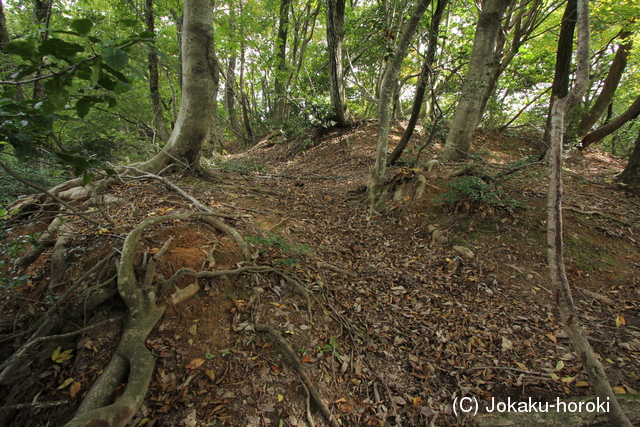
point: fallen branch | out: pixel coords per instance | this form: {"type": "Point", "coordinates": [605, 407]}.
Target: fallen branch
{"type": "Point", "coordinates": [302, 372]}
{"type": "Point", "coordinates": [47, 322]}
{"type": "Point", "coordinates": [335, 269]}
{"type": "Point", "coordinates": [34, 405]}
{"type": "Point", "coordinates": [49, 194]}
{"type": "Point", "coordinates": [581, 212]}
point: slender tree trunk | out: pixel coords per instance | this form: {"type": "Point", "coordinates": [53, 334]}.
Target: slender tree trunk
{"type": "Point", "coordinates": [195, 118]}
{"type": "Point", "coordinates": [608, 89]}
{"type": "Point", "coordinates": [466, 116]}
{"type": "Point", "coordinates": [632, 112]}
{"type": "Point", "coordinates": [230, 79]}
{"type": "Point", "coordinates": [280, 104]}
{"type": "Point", "coordinates": [243, 90]}
{"type": "Point", "coordinates": [158, 118]}
{"type": "Point", "coordinates": [243, 97]}
{"type": "Point", "coordinates": [559, 280]}
{"type": "Point", "coordinates": [335, 35]}
{"type": "Point", "coordinates": [562, 72]}
{"type": "Point", "coordinates": [423, 80]}
{"type": "Point", "coordinates": [179, 27]}
{"type": "Point", "coordinates": [376, 176]}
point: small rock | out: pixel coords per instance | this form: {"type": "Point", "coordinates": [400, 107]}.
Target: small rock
{"type": "Point", "coordinates": [466, 252]}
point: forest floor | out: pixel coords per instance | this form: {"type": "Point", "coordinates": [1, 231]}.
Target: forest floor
{"type": "Point", "coordinates": [393, 323]}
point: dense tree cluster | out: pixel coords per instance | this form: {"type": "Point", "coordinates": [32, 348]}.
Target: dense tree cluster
{"type": "Point", "coordinates": [105, 79]}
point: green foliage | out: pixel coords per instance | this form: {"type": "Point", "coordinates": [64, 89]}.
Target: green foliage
{"type": "Point", "coordinates": [10, 251]}
{"type": "Point", "coordinates": [74, 79]}
{"type": "Point", "coordinates": [472, 193]}
{"type": "Point", "coordinates": [245, 166]}
{"type": "Point", "coordinates": [43, 175]}
{"type": "Point", "coordinates": [279, 247]}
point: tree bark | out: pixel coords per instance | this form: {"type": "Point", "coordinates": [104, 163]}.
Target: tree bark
{"type": "Point", "coordinates": [376, 176]}
{"type": "Point", "coordinates": [559, 280]}
{"type": "Point", "coordinates": [467, 112]}
{"type": "Point", "coordinates": [335, 35]}
{"type": "Point", "coordinates": [632, 112]}
{"type": "Point", "coordinates": [280, 103]}
{"type": "Point", "coordinates": [424, 79]}
{"type": "Point", "coordinates": [158, 118]}
{"type": "Point", "coordinates": [608, 89]}
{"type": "Point", "coordinates": [631, 173]}
{"type": "Point", "coordinates": [562, 71]}
{"type": "Point", "coordinates": [195, 118]}
{"type": "Point", "coordinates": [4, 32]}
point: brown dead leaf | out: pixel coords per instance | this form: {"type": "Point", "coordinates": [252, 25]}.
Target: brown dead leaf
{"type": "Point", "coordinates": [74, 389]}
{"type": "Point", "coordinates": [195, 364]}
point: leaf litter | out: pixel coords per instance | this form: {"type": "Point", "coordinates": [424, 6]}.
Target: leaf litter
{"type": "Point", "coordinates": [399, 325]}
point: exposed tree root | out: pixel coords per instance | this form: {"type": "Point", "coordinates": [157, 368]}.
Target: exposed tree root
{"type": "Point", "coordinates": [220, 225]}
{"type": "Point", "coordinates": [302, 372]}
{"type": "Point", "coordinates": [132, 362]}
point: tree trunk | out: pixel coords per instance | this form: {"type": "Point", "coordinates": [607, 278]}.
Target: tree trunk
{"type": "Point", "coordinates": [376, 176]}
{"type": "Point", "coordinates": [158, 118]}
{"type": "Point", "coordinates": [559, 280]}
{"type": "Point", "coordinates": [560, 85]}
{"type": "Point", "coordinates": [179, 24]}
{"type": "Point", "coordinates": [335, 35]}
{"type": "Point", "coordinates": [243, 97]}
{"type": "Point", "coordinates": [230, 97]}
{"type": "Point", "coordinates": [4, 32]}
{"type": "Point", "coordinates": [466, 116]}
{"type": "Point", "coordinates": [525, 22]}
{"type": "Point", "coordinates": [423, 80]}
{"type": "Point", "coordinates": [608, 89]}
{"type": "Point", "coordinates": [632, 112]}
{"type": "Point", "coordinates": [195, 118]}
{"type": "Point", "coordinates": [280, 103]}
{"type": "Point", "coordinates": [630, 175]}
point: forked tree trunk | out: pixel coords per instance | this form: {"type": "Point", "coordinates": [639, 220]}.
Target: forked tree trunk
{"type": "Point", "coordinates": [424, 79]}
{"type": "Point", "coordinates": [562, 71]}
{"type": "Point", "coordinates": [467, 113]}
{"type": "Point", "coordinates": [559, 280]}
{"type": "Point", "coordinates": [195, 118]}
{"type": "Point", "coordinates": [375, 180]}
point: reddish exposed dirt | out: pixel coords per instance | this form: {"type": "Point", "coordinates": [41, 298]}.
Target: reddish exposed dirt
{"type": "Point", "coordinates": [408, 325]}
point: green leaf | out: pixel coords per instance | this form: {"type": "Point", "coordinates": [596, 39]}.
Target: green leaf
{"type": "Point", "coordinates": [96, 68]}
{"type": "Point", "coordinates": [129, 22]}
{"type": "Point", "coordinates": [79, 163]}
{"type": "Point", "coordinates": [115, 57]}
{"type": "Point", "coordinates": [84, 104]}
{"type": "Point", "coordinates": [24, 49]}
{"type": "Point", "coordinates": [59, 48]}
{"type": "Point", "coordinates": [82, 26]}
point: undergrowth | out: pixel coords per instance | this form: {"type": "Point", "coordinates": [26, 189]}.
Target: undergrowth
{"type": "Point", "coordinates": [472, 194]}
